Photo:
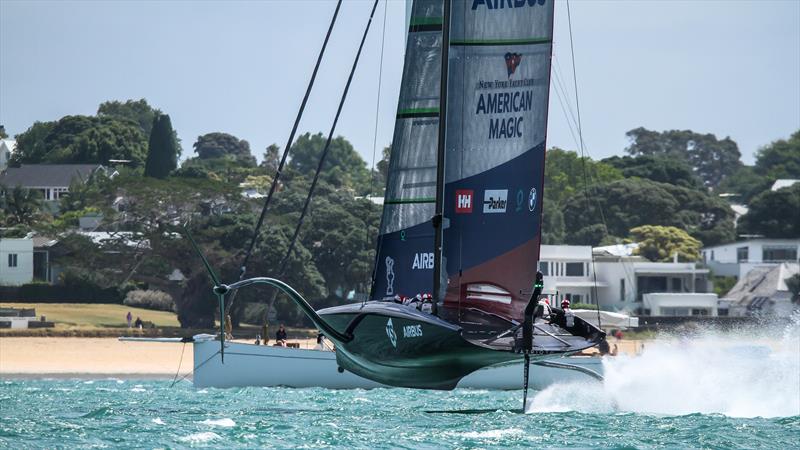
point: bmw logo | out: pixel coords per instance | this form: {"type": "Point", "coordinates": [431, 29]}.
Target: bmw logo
{"type": "Point", "coordinates": [532, 200]}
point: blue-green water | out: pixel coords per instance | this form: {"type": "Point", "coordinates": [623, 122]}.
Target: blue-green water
{"type": "Point", "coordinates": [150, 414]}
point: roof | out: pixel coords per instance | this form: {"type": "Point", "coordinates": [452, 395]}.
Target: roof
{"type": "Point", "coordinates": [762, 281]}
{"type": "Point", "coordinates": [46, 175]}
{"type": "Point", "coordinates": [780, 184]}
{"type": "Point", "coordinates": [43, 241]}
{"type": "Point", "coordinates": [11, 144]}
{"type": "Point", "coordinates": [616, 250]}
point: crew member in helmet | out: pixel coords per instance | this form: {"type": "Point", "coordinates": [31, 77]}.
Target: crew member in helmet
{"type": "Point", "coordinates": [568, 314]}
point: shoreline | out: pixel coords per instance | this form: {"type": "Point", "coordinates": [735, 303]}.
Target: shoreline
{"type": "Point", "coordinates": [85, 376]}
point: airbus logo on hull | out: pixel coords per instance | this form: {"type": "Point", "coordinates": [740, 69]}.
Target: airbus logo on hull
{"type": "Point", "coordinates": [422, 261]}
{"type": "Point", "coordinates": [501, 4]}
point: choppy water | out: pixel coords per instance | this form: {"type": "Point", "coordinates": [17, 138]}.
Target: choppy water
{"type": "Point", "coordinates": [704, 392]}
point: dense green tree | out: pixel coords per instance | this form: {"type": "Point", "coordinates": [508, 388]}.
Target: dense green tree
{"type": "Point", "coordinates": [745, 183]}
{"type": "Point", "coordinates": [774, 214]}
{"type": "Point", "coordinates": [660, 243]}
{"type": "Point", "coordinates": [780, 159]}
{"type": "Point", "coordinates": [553, 228]}
{"type": "Point", "coordinates": [162, 155]}
{"type": "Point", "coordinates": [20, 206]}
{"type": "Point", "coordinates": [712, 159]}
{"type": "Point", "coordinates": [564, 176]}
{"type": "Point", "coordinates": [632, 202]}
{"type": "Point", "coordinates": [343, 166]}
{"type": "Point", "coordinates": [137, 111]}
{"type": "Point", "coordinates": [81, 139]}
{"type": "Point", "coordinates": [223, 145]}
{"type": "Point", "coordinates": [658, 167]}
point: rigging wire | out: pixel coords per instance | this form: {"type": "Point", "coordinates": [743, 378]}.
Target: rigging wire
{"type": "Point", "coordinates": [275, 179]}
{"type": "Point", "coordinates": [583, 155]}
{"type": "Point", "coordinates": [375, 136]}
{"type": "Point", "coordinates": [292, 243]}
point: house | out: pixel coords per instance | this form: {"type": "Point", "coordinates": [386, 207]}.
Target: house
{"type": "Point", "coordinates": [52, 180]}
{"type": "Point", "coordinates": [623, 280]}
{"type": "Point", "coordinates": [738, 258]}
{"type": "Point", "coordinates": [16, 261]}
{"type": "Point", "coordinates": [763, 291]}
{"type": "Point", "coordinates": [7, 147]}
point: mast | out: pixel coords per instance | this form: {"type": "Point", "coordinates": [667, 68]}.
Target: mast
{"type": "Point", "coordinates": [438, 218]}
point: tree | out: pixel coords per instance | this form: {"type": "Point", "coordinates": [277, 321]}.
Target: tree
{"type": "Point", "coordinates": [162, 155]}
{"type": "Point", "coordinates": [564, 176]}
{"type": "Point", "coordinates": [774, 214]}
{"type": "Point", "coordinates": [3, 134]}
{"type": "Point", "coordinates": [780, 159]}
{"type": "Point", "coordinates": [138, 112]}
{"type": "Point", "coordinates": [633, 202]}
{"type": "Point", "coordinates": [81, 140]}
{"type": "Point", "coordinates": [657, 167]}
{"type": "Point", "coordinates": [224, 145]}
{"type": "Point", "coordinates": [746, 183]}
{"type": "Point", "coordinates": [712, 159]}
{"type": "Point", "coordinates": [20, 206]}
{"type": "Point", "coordinates": [659, 243]}
{"type": "Point", "coordinates": [272, 158]}
{"type": "Point", "coordinates": [343, 166]}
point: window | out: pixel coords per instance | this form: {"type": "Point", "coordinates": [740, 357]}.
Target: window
{"type": "Point", "coordinates": [622, 289]}
{"type": "Point", "coordinates": [779, 253]}
{"type": "Point", "coordinates": [676, 285]}
{"type": "Point", "coordinates": [543, 268]}
{"type": "Point", "coordinates": [699, 312]}
{"type": "Point", "coordinates": [575, 269]}
{"type": "Point", "coordinates": [12, 260]}
{"type": "Point", "coordinates": [741, 254]}
{"type": "Point", "coordinates": [576, 298]}
{"type": "Point", "coordinates": [675, 312]}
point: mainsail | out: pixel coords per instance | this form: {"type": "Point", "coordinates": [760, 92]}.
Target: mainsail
{"type": "Point", "coordinates": [498, 87]}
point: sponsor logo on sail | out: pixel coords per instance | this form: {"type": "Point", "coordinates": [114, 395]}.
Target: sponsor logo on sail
{"type": "Point", "coordinates": [495, 200]}
{"type": "Point", "coordinates": [412, 331]}
{"type": "Point", "coordinates": [390, 333]}
{"type": "Point", "coordinates": [501, 4]}
{"type": "Point", "coordinates": [532, 200]}
{"type": "Point", "coordinates": [422, 261]}
{"type": "Point", "coordinates": [512, 62]}
{"type": "Point", "coordinates": [464, 201]}
{"type": "Point", "coordinates": [389, 275]}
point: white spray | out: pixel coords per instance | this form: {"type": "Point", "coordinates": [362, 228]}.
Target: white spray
{"type": "Point", "coordinates": [734, 375]}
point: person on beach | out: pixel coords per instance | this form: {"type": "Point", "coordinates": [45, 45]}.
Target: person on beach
{"type": "Point", "coordinates": [129, 318]}
{"type": "Point", "coordinates": [603, 347]}
{"type": "Point", "coordinates": [280, 336]}
{"type": "Point", "coordinates": [138, 324]}
{"type": "Point", "coordinates": [321, 343]}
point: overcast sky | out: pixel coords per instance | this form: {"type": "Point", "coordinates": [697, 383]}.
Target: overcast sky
{"type": "Point", "coordinates": [731, 68]}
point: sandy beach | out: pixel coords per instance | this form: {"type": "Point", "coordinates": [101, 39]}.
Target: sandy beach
{"type": "Point", "coordinates": [60, 357]}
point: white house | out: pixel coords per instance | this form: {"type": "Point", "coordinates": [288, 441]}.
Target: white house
{"type": "Point", "coordinates": [623, 280]}
{"type": "Point", "coordinates": [738, 258]}
{"type": "Point", "coordinates": [7, 147]}
{"type": "Point", "coordinates": [16, 261]}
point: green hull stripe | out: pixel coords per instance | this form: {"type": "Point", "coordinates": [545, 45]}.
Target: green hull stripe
{"type": "Point", "coordinates": [501, 42]}
{"type": "Point", "coordinates": [410, 200]}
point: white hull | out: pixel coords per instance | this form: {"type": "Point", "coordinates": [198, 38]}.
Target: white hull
{"type": "Point", "coordinates": [257, 365]}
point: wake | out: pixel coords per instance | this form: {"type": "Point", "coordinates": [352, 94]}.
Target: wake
{"type": "Point", "coordinates": [709, 373]}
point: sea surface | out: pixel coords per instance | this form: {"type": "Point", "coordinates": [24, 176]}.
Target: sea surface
{"type": "Point", "coordinates": [692, 392]}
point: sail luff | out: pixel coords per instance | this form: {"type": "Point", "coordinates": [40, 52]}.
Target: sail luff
{"type": "Point", "coordinates": [438, 294]}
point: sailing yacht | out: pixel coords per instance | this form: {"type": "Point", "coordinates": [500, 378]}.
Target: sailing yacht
{"type": "Point", "coordinates": [461, 223]}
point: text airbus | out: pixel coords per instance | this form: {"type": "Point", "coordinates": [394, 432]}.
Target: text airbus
{"type": "Point", "coordinates": [501, 4]}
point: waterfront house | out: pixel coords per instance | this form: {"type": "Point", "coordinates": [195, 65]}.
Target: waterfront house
{"type": "Point", "coordinates": [52, 180]}
{"type": "Point", "coordinates": [738, 258]}
{"type": "Point", "coordinates": [7, 147]}
{"type": "Point", "coordinates": [16, 261]}
{"type": "Point", "coordinates": [763, 291]}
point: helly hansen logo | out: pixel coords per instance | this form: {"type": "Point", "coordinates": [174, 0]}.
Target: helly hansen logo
{"type": "Point", "coordinates": [464, 201]}
{"type": "Point", "coordinates": [495, 200]}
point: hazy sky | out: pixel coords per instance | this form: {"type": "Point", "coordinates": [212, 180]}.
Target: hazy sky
{"type": "Point", "coordinates": [731, 68]}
